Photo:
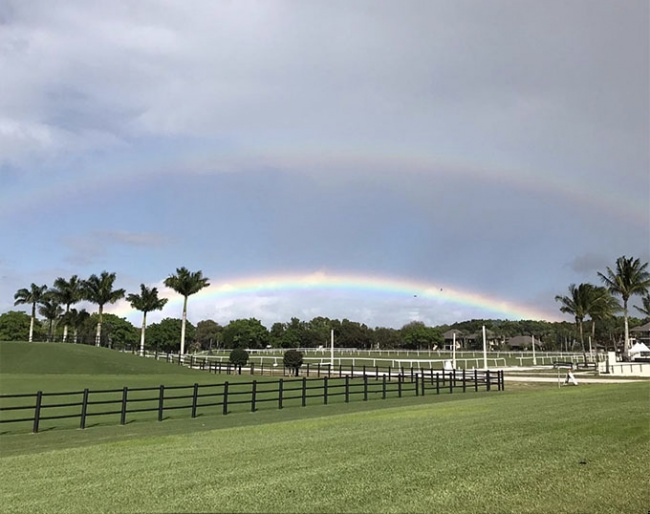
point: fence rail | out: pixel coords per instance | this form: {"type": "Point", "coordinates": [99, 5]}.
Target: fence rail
{"type": "Point", "coordinates": [226, 397]}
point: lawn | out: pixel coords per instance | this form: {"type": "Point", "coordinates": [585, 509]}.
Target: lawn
{"type": "Point", "coordinates": [533, 448]}
{"type": "Point", "coordinates": [582, 449]}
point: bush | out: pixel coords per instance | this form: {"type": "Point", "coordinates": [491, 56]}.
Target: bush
{"type": "Point", "coordinates": [293, 360]}
{"type": "Point", "coordinates": [239, 357]}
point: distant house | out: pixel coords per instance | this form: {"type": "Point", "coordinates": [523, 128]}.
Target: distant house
{"type": "Point", "coordinates": [476, 340]}
{"type": "Point", "coordinates": [449, 339]}
{"type": "Point", "coordinates": [641, 333]}
{"type": "Point", "coordinates": [522, 342]}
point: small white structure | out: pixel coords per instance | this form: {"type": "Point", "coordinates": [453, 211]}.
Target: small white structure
{"type": "Point", "coordinates": [639, 351]}
{"type": "Point", "coordinates": [570, 379]}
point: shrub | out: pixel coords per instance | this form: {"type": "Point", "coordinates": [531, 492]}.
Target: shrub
{"type": "Point", "coordinates": [239, 357]}
{"type": "Point", "coordinates": [293, 360]}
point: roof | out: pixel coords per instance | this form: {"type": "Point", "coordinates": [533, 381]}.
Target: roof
{"type": "Point", "coordinates": [642, 328]}
{"type": "Point", "coordinates": [522, 341]}
{"type": "Point", "coordinates": [639, 348]}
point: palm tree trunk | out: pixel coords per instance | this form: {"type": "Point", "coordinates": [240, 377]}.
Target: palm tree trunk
{"type": "Point", "coordinates": [144, 327]}
{"type": "Point", "coordinates": [627, 330]}
{"type": "Point", "coordinates": [582, 341]}
{"type": "Point", "coordinates": [31, 323]}
{"type": "Point", "coordinates": [183, 326]}
{"type": "Point", "coordinates": [98, 335]}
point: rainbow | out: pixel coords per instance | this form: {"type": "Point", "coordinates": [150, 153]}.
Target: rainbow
{"type": "Point", "coordinates": [373, 285]}
{"type": "Point", "coordinates": [124, 172]}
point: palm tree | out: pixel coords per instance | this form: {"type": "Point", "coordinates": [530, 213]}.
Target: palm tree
{"type": "Point", "coordinates": [99, 290]}
{"type": "Point", "coordinates": [629, 278]}
{"type": "Point", "coordinates": [577, 304]}
{"type": "Point", "coordinates": [34, 295]}
{"type": "Point", "coordinates": [645, 308]}
{"type": "Point", "coordinates": [146, 301]}
{"type": "Point", "coordinates": [601, 307]}
{"type": "Point", "coordinates": [75, 319]}
{"type": "Point", "coordinates": [186, 283]}
{"type": "Point", "coordinates": [67, 292]}
{"type": "Point", "coordinates": [51, 310]}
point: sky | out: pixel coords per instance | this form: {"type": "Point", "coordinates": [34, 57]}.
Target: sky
{"type": "Point", "coordinates": [380, 161]}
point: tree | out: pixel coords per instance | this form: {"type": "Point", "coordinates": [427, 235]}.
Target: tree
{"type": "Point", "coordinates": [239, 357]}
{"type": "Point", "coordinates": [67, 292]}
{"type": "Point", "coordinates": [293, 359]}
{"type": "Point", "coordinates": [578, 303]}
{"type": "Point", "coordinates": [208, 333]}
{"type": "Point", "coordinates": [34, 295]}
{"type": "Point", "coordinates": [75, 319]}
{"type": "Point", "coordinates": [146, 301]}
{"type": "Point", "coordinates": [164, 335]}
{"type": "Point", "coordinates": [100, 290]}
{"type": "Point", "coordinates": [245, 333]}
{"type": "Point", "coordinates": [645, 308]}
{"type": "Point", "coordinates": [603, 306]}
{"type": "Point", "coordinates": [629, 278]}
{"type": "Point", "coordinates": [186, 283]}
{"type": "Point", "coordinates": [51, 311]}
{"type": "Point", "coordinates": [417, 335]}
{"type": "Point", "coordinates": [15, 325]}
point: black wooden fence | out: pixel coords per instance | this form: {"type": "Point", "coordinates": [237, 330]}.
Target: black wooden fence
{"type": "Point", "coordinates": [309, 370]}
{"type": "Point", "coordinates": [223, 398]}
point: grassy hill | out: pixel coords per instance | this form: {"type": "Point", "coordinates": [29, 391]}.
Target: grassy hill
{"type": "Point", "coordinates": [55, 367]}
{"type": "Point", "coordinates": [55, 359]}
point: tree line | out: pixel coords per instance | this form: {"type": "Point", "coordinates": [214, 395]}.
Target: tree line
{"type": "Point", "coordinates": [63, 322]}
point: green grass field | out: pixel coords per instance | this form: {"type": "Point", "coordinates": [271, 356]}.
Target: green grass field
{"type": "Point", "coordinates": [540, 449]}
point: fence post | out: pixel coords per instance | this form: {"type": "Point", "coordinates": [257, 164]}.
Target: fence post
{"type": "Point", "coordinates": [318, 370]}
{"type": "Point", "coordinates": [389, 370]}
{"type": "Point", "coordinates": [503, 382]}
{"type": "Point", "coordinates": [352, 369]}
{"type": "Point", "coordinates": [304, 391]}
{"type": "Point", "coordinates": [280, 388]}
{"type": "Point", "coordinates": [376, 372]}
{"type": "Point", "coordinates": [475, 380]}
{"type": "Point", "coordinates": [487, 379]}
{"type": "Point", "coordinates": [437, 383]}
{"type": "Point", "coordinates": [192, 361]}
{"type": "Point", "coordinates": [365, 387]}
{"type": "Point", "coordinates": [464, 381]}
{"type": "Point", "coordinates": [383, 387]}
{"type": "Point", "coordinates": [325, 390]}
{"type": "Point", "coordinates": [161, 400]}
{"type": "Point", "coordinates": [307, 369]}
{"type": "Point", "coordinates": [225, 397]}
{"type": "Point", "coordinates": [422, 382]}
{"type": "Point", "coordinates": [195, 399]}
{"type": "Point", "coordinates": [37, 411]}
{"type": "Point", "coordinates": [252, 368]}
{"type": "Point", "coordinates": [347, 388]}
{"type": "Point", "coordinates": [340, 369]}
{"type": "Point", "coordinates": [417, 384]}
{"type": "Point", "coordinates": [451, 381]}
{"type": "Point", "coordinates": [125, 392]}
{"type": "Point", "coordinates": [253, 395]}
{"type": "Point", "coordinates": [84, 407]}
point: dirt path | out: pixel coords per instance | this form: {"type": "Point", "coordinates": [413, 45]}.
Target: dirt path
{"type": "Point", "coordinates": [581, 380]}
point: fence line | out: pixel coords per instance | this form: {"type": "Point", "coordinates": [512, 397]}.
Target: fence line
{"type": "Point", "coordinates": [214, 398]}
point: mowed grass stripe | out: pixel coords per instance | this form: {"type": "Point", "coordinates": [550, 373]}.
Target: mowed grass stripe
{"type": "Point", "coordinates": [492, 453]}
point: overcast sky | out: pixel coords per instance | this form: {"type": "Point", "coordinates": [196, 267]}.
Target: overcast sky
{"type": "Point", "coordinates": [496, 150]}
